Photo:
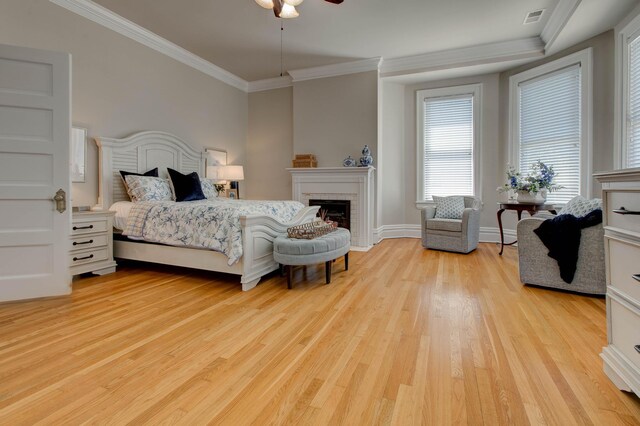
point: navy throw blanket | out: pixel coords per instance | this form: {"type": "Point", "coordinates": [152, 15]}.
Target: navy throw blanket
{"type": "Point", "coordinates": [561, 235]}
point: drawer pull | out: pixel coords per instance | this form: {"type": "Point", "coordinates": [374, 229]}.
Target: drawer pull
{"type": "Point", "coordinates": [75, 259]}
{"type": "Point", "coordinates": [623, 211]}
{"type": "Point", "coordinates": [76, 243]}
{"type": "Point", "coordinates": [75, 228]}
{"type": "Point", "coordinates": [636, 277]}
{"type": "Point", "coordinates": [637, 348]}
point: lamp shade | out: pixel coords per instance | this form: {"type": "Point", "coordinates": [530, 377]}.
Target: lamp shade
{"type": "Point", "coordinates": [267, 4]}
{"type": "Point", "coordinates": [288, 12]}
{"type": "Point", "coordinates": [293, 2]}
{"type": "Point", "coordinates": [231, 173]}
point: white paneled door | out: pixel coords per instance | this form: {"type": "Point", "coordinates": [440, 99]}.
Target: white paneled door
{"type": "Point", "coordinates": [35, 123]}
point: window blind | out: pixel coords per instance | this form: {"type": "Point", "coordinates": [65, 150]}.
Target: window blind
{"type": "Point", "coordinates": [448, 146]}
{"type": "Point", "coordinates": [550, 115]}
{"type": "Point", "coordinates": [633, 107]}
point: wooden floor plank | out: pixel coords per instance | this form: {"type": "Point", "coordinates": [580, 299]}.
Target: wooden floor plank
{"type": "Point", "coordinates": [406, 336]}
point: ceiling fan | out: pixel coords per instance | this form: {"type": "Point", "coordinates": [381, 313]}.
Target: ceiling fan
{"type": "Point", "coordinates": [286, 8]}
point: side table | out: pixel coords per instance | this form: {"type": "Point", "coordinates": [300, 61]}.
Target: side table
{"type": "Point", "coordinates": [519, 208]}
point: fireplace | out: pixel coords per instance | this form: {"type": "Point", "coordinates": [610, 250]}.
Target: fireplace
{"type": "Point", "coordinates": [337, 211]}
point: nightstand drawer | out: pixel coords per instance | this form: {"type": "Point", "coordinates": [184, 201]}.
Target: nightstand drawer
{"type": "Point", "coordinates": [630, 201]}
{"type": "Point", "coordinates": [79, 228]}
{"type": "Point", "coordinates": [623, 265]}
{"type": "Point", "coordinates": [88, 242]}
{"type": "Point", "coordinates": [625, 331]}
{"type": "Point", "coordinates": [89, 256]}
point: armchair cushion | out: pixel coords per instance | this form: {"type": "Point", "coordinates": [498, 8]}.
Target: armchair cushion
{"type": "Point", "coordinates": [452, 225]}
{"type": "Point", "coordinates": [449, 207]}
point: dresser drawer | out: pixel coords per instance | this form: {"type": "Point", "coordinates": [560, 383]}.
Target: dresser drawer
{"type": "Point", "coordinates": [79, 228]}
{"type": "Point", "coordinates": [624, 262]}
{"type": "Point", "coordinates": [88, 242]}
{"type": "Point", "coordinates": [625, 331]}
{"type": "Point", "coordinates": [89, 256]}
{"type": "Point", "coordinates": [630, 200]}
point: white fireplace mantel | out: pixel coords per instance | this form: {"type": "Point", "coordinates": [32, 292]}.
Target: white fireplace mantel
{"type": "Point", "coordinates": [341, 183]}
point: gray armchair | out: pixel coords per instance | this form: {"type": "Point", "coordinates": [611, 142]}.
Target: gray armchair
{"type": "Point", "coordinates": [537, 268]}
{"type": "Point", "coordinates": [459, 235]}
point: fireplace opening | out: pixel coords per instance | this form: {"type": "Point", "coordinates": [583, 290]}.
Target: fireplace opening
{"type": "Point", "coordinates": [337, 211]}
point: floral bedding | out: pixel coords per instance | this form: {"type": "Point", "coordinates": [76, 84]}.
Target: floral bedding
{"type": "Point", "coordinates": [208, 224]}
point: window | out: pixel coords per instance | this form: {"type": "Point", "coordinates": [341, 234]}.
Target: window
{"type": "Point", "coordinates": [628, 129]}
{"type": "Point", "coordinates": [448, 141]}
{"type": "Point", "coordinates": [550, 119]}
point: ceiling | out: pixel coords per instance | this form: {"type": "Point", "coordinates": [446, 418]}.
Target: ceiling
{"type": "Point", "coordinates": [244, 39]}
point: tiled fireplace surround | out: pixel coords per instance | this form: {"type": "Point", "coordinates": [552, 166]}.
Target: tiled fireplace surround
{"type": "Point", "coordinates": [341, 183]}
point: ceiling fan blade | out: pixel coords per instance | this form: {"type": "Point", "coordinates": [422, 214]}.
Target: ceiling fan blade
{"type": "Point", "coordinates": [334, 1]}
{"type": "Point", "coordinates": [277, 7]}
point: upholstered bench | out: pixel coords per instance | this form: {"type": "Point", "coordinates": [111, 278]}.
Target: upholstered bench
{"type": "Point", "coordinates": [291, 252]}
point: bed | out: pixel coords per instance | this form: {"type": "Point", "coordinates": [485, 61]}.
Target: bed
{"type": "Point", "coordinates": [145, 150]}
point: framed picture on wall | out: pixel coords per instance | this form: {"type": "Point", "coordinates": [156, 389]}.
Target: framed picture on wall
{"type": "Point", "coordinates": [78, 155]}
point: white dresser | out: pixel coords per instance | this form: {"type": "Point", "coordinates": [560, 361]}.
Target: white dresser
{"type": "Point", "coordinates": [91, 243]}
{"type": "Point", "coordinates": [621, 196]}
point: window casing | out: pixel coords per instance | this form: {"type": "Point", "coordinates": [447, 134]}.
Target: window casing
{"type": "Point", "coordinates": [628, 96]}
{"type": "Point", "coordinates": [448, 157]}
{"type": "Point", "coordinates": [550, 121]}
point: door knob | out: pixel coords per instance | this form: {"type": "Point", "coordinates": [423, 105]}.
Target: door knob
{"type": "Point", "coordinates": [61, 200]}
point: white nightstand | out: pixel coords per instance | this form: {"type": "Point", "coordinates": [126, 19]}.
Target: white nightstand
{"type": "Point", "coordinates": [91, 243]}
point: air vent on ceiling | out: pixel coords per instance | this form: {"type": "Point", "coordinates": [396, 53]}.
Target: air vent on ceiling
{"type": "Point", "coordinates": [533, 17]}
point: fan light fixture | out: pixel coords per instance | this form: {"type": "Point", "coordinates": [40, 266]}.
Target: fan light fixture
{"type": "Point", "coordinates": [282, 8]}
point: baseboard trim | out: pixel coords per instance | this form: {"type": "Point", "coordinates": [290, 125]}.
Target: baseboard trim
{"type": "Point", "coordinates": [487, 234]}
{"type": "Point", "coordinates": [396, 231]}
{"type": "Point", "coordinates": [492, 235]}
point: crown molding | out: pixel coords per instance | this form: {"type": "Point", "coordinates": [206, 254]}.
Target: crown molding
{"type": "Point", "coordinates": [115, 22]}
{"type": "Point", "coordinates": [270, 84]}
{"type": "Point", "coordinates": [466, 56]}
{"type": "Point", "coordinates": [344, 68]}
{"type": "Point", "coordinates": [557, 21]}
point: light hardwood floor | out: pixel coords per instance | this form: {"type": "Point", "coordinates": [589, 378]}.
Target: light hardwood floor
{"type": "Point", "coordinates": [406, 336]}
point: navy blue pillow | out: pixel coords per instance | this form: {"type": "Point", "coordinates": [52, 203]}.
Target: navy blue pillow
{"type": "Point", "coordinates": [186, 187]}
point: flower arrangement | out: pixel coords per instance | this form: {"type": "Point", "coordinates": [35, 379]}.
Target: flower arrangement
{"type": "Point", "coordinates": [540, 177]}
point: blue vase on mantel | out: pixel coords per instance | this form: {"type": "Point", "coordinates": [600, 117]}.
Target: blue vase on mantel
{"type": "Point", "coordinates": [349, 162]}
{"type": "Point", "coordinates": [366, 160]}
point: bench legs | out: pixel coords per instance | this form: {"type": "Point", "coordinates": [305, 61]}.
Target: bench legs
{"type": "Point", "coordinates": [288, 270]}
{"type": "Point", "coordinates": [289, 276]}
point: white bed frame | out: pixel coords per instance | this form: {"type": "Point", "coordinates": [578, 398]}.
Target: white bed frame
{"type": "Point", "coordinates": [144, 151]}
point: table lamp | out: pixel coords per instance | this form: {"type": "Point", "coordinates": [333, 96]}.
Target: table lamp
{"type": "Point", "coordinates": [233, 174]}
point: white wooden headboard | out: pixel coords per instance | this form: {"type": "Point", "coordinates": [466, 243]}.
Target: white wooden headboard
{"type": "Point", "coordinates": [138, 153]}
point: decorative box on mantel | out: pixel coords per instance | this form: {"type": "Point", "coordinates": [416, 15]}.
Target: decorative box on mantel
{"type": "Point", "coordinates": [355, 184]}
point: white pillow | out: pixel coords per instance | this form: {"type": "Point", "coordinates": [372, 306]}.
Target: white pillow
{"type": "Point", "coordinates": [208, 188]}
{"type": "Point", "coordinates": [449, 207]}
{"type": "Point", "coordinates": [146, 188]}
{"type": "Point", "coordinates": [580, 206]}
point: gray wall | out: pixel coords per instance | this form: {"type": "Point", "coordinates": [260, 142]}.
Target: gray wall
{"type": "Point", "coordinates": [335, 117]}
{"type": "Point", "coordinates": [402, 174]}
{"type": "Point", "coordinates": [270, 146]}
{"type": "Point", "coordinates": [121, 87]}
{"type": "Point", "coordinates": [392, 163]}
{"type": "Point", "coordinates": [398, 173]}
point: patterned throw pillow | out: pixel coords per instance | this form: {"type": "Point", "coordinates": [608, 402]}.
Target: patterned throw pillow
{"type": "Point", "coordinates": [124, 174]}
{"type": "Point", "coordinates": [580, 206]}
{"type": "Point", "coordinates": [146, 188]}
{"type": "Point", "coordinates": [208, 188]}
{"type": "Point", "coordinates": [449, 207]}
